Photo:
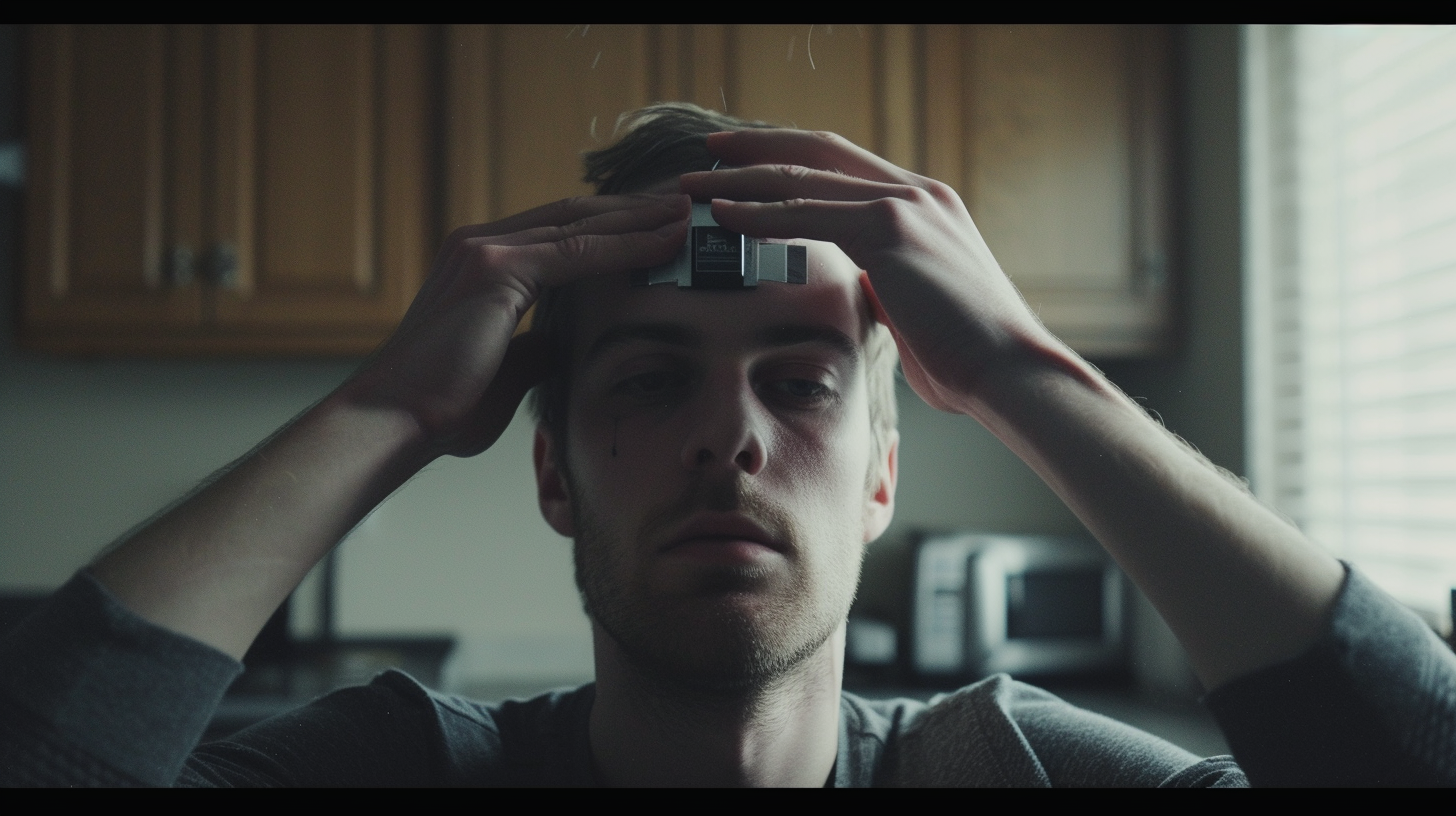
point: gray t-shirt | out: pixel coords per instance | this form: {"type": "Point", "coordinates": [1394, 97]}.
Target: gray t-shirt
{"type": "Point", "coordinates": [91, 694]}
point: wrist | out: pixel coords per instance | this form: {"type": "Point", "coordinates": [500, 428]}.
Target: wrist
{"type": "Point", "coordinates": [393, 434]}
{"type": "Point", "coordinates": [1022, 368]}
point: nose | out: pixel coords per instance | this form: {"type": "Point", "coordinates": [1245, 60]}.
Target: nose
{"type": "Point", "coordinates": [727, 431]}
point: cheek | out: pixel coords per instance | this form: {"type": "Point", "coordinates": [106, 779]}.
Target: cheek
{"type": "Point", "coordinates": [616, 455]}
{"type": "Point", "coordinates": [826, 466]}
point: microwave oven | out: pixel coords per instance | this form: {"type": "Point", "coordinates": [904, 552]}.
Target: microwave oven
{"type": "Point", "coordinates": [1024, 605]}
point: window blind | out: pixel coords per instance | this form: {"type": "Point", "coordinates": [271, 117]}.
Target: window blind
{"type": "Point", "coordinates": [1350, 182]}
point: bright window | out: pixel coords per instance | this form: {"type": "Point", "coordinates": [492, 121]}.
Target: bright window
{"type": "Point", "coordinates": [1351, 285]}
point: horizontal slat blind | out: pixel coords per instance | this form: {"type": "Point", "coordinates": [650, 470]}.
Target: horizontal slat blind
{"type": "Point", "coordinates": [1356, 415]}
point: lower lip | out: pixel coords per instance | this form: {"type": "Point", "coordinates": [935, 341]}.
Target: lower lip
{"type": "Point", "coordinates": [722, 550]}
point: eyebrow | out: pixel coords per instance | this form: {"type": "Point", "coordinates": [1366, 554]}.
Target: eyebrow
{"type": "Point", "coordinates": [792, 334]}
{"type": "Point", "coordinates": [677, 334]}
{"type": "Point", "coordinates": [672, 334]}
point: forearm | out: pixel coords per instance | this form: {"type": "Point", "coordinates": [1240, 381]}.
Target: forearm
{"type": "Point", "coordinates": [1240, 587]}
{"type": "Point", "coordinates": [217, 565]}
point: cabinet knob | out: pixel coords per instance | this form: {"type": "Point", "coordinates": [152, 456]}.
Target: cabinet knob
{"type": "Point", "coordinates": [223, 266]}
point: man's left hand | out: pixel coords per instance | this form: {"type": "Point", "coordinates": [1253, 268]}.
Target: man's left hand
{"type": "Point", "coordinates": [952, 310]}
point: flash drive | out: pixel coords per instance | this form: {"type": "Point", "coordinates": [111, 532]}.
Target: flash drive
{"type": "Point", "coordinates": [716, 258]}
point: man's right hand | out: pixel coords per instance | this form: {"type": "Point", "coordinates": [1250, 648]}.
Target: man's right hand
{"type": "Point", "coordinates": [452, 364]}
{"type": "Point", "coordinates": [216, 566]}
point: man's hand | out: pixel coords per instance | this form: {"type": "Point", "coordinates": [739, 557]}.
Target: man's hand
{"type": "Point", "coordinates": [1240, 586]}
{"type": "Point", "coordinates": [218, 564]}
{"type": "Point", "coordinates": [449, 365]}
{"type": "Point", "coordinates": [951, 309]}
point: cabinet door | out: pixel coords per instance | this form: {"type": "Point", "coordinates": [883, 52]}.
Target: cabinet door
{"type": "Point", "coordinates": [813, 77]}
{"type": "Point", "coordinates": [1055, 136]}
{"type": "Point", "coordinates": [113, 165]}
{"type": "Point", "coordinates": [523, 101]}
{"type": "Point", "coordinates": [322, 202]}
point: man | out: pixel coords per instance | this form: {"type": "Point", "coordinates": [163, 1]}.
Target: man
{"type": "Point", "coordinates": [721, 460]}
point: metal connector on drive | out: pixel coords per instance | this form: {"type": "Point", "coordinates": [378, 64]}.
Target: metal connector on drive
{"type": "Point", "coordinates": [715, 258]}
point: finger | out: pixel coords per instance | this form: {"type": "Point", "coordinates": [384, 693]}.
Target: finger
{"type": "Point", "coordinates": [816, 149]}
{"type": "Point", "coordinates": [465, 254]}
{"type": "Point", "coordinates": [568, 210]}
{"type": "Point", "coordinates": [845, 223]}
{"type": "Point", "coordinates": [580, 256]}
{"type": "Point", "coordinates": [615, 222]}
{"type": "Point", "coordinates": [776, 182]}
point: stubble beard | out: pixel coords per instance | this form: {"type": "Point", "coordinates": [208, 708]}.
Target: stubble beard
{"type": "Point", "coordinates": [739, 631]}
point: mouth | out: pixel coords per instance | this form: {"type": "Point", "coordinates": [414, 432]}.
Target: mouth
{"type": "Point", "coordinates": [723, 536]}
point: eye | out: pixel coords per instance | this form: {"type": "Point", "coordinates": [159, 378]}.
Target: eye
{"type": "Point", "coordinates": [652, 385]}
{"type": "Point", "coordinates": [800, 392]}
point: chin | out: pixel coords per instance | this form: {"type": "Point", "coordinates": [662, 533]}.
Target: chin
{"type": "Point", "coordinates": [726, 644]}
{"type": "Point", "coordinates": [712, 627]}
{"type": "Point", "coordinates": [729, 631]}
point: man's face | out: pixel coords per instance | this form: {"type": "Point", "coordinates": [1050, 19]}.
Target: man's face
{"type": "Point", "coordinates": [716, 461]}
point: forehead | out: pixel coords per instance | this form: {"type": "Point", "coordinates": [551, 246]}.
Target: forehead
{"type": "Point", "coordinates": [832, 297]}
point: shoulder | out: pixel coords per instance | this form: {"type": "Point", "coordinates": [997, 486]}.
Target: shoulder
{"type": "Point", "coordinates": [1000, 732]}
{"type": "Point", "coordinates": [543, 740]}
{"type": "Point", "coordinates": [539, 741]}
{"type": "Point", "coordinates": [394, 731]}
{"type": "Point", "coordinates": [867, 730]}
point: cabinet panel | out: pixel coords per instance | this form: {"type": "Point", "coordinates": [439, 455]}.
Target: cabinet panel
{"type": "Point", "coordinates": [860, 83]}
{"type": "Point", "coordinates": [314, 155]}
{"type": "Point", "coordinates": [558, 91]}
{"type": "Point", "coordinates": [524, 101]}
{"type": "Point", "coordinates": [115, 234]}
{"type": "Point", "coordinates": [322, 180]}
{"type": "Point", "coordinates": [316, 130]}
{"type": "Point", "coordinates": [1049, 152]}
{"type": "Point", "coordinates": [813, 77]}
{"type": "Point", "coordinates": [1055, 137]}
{"type": "Point", "coordinates": [97, 205]}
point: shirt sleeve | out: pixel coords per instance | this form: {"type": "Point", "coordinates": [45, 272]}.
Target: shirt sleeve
{"type": "Point", "coordinates": [1372, 703]}
{"type": "Point", "coordinates": [389, 733]}
{"type": "Point", "coordinates": [92, 694]}
{"type": "Point", "coordinates": [1001, 733]}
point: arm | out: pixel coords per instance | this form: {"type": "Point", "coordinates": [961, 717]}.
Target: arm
{"type": "Point", "coordinates": [217, 565]}
{"type": "Point", "coordinates": [97, 688]}
{"type": "Point", "coordinates": [1318, 677]}
{"type": "Point", "coordinates": [1241, 588]}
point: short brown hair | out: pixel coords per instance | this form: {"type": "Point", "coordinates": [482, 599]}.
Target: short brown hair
{"type": "Point", "coordinates": [659, 142]}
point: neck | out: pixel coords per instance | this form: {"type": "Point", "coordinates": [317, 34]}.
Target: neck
{"type": "Point", "coordinates": [647, 731]}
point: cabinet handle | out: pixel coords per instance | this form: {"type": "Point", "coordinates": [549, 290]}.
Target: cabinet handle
{"type": "Point", "coordinates": [223, 266]}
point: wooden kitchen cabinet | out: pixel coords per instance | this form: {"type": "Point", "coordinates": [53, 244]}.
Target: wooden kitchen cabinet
{"type": "Point", "coordinates": [524, 101]}
{"type": "Point", "coordinates": [280, 190]}
{"type": "Point", "coordinates": [98, 206]}
{"type": "Point", "coordinates": [227, 189]}
{"type": "Point", "coordinates": [1056, 137]}
{"type": "Point", "coordinates": [324, 185]}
